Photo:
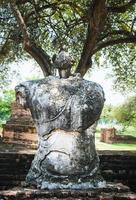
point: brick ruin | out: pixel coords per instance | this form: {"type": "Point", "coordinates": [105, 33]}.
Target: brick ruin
{"type": "Point", "coordinates": [110, 136]}
{"type": "Point", "coordinates": [116, 168]}
{"type": "Point", "coordinates": [19, 129]}
{"type": "Point", "coordinates": [107, 135]}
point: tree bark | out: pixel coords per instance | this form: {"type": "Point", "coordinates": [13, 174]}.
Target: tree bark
{"type": "Point", "coordinates": [121, 40]}
{"type": "Point", "coordinates": [40, 56]}
{"type": "Point", "coordinates": [97, 13]}
{"type": "Point", "coordinates": [122, 8]}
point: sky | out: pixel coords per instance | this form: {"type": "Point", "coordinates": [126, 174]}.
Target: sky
{"type": "Point", "coordinates": [101, 76]}
{"type": "Point", "coordinates": [28, 70]}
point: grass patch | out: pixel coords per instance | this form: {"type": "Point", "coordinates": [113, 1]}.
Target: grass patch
{"type": "Point", "coordinates": [117, 147]}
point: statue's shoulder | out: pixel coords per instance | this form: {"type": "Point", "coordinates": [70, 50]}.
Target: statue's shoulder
{"type": "Point", "coordinates": [38, 81]}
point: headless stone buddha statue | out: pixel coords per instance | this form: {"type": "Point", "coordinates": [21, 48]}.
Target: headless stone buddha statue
{"type": "Point", "coordinates": [65, 112]}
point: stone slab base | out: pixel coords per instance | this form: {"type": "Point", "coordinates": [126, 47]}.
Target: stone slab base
{"type": "Point", "coordinates": [110, 192]}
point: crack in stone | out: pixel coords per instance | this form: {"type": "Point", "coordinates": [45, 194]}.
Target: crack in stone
{"type": "Point", "coordinates": [40, 165]}
{"type": "Point", "coordinates": [58, 115]}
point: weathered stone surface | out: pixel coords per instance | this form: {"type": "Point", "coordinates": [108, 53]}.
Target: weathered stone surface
{"type": "Point", "coordinates": [63, 62]}
{"type": "Point", "coordinates": [63, 111]}
{"type": "Point", "coordinates": [110, 192]}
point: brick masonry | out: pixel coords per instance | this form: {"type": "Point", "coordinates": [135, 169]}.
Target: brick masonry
{"type": "Point", "coordinates": [111, 192]}
{"type": "Point", "coordinates": [20, 127]}
{"type": "Point", "coordinates": [115, 167]}
{"type": "Point", "coordinates": [110, 136]}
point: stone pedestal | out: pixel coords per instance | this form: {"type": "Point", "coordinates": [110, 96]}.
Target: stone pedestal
{"type": "Point", "coordinates": [64, 112]}
{"type": "Point", "coordinates": [20, 128]}
{"type": "Point", "coordinates": [110, 192]}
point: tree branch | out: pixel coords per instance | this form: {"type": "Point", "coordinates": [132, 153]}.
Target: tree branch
{"type": "Point", "coordinates": [6, 42]}
{"type": "Point", "coordinates": [56, 6]}
{"type": "Point", "coordinates": [36, 52]}
{"type": "Point", "coordinates": [18, 2]}
{"type": "Point", "coordinates": [115, 32]}
{"type": "Point", "coordinates": [123, 8]}
{"type": "Point", "coordinates": [97, 14]}
{"type": "Point", "coordinates": [20, 21]}
{"type": "Point", "coordinates": [133, 24]}
{"type": "Point", "coordinates": [131, 39]}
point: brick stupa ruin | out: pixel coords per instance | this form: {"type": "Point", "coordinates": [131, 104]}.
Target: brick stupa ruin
{"type": "Point", "coordinates": [19, 129]}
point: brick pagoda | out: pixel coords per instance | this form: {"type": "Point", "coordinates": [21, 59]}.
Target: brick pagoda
{"type": "Point", "coordinates": [19, 129]}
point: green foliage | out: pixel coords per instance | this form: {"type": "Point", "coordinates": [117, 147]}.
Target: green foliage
{"type": "Point", "coordinates": [107, 119]}
{"type": "Point", "coordinates": [123, 66]}
{"type": "Point", "coordinates": [107, 112]}
{"type": "Point", "coordinates": [126, 113]}
{"type": "Point", "coordinates": [52, 23]}
{"type": "Point", "coordinates": [5, 103]}
{"type": "Point", "coordinates": [7, 74]}
{"type": "Point", "coordinates": [122, 117]}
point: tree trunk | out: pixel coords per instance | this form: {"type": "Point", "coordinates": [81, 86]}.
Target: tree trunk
{"type": "Point", "coordinates": [85, 68]}
{"type": "Point", "coordinates": [40, 57]}
{"type": "Point", "coordinates": [97, 15]}
{"type": "Point", "coordinates": [36, 52]}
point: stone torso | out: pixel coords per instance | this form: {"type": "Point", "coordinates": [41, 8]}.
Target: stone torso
{"type": "Point", "coordinates": [72, 104]}
{"type": "Point", "coordinates": [63, 111]}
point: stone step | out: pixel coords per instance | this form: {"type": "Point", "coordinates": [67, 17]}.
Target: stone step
{"type": "Point", "coordinates": [112, 177]}
{"type": "Point", "coordinates": [13, 171]}
{"type": "Point", "coordinates": [20, 127]}
{"type": "Point", "coordinates": [111, 192]}
{"type": "Point", "coordinates": [10, 183]}
{"type": "Point", "coordinates": [120, 166]}
{"type": "Point", "coordinates": [9, 177]}
{"type": "Point", "coordinates": [116, 159]}
{"type": "Point", "coordinates": [17, 164]}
